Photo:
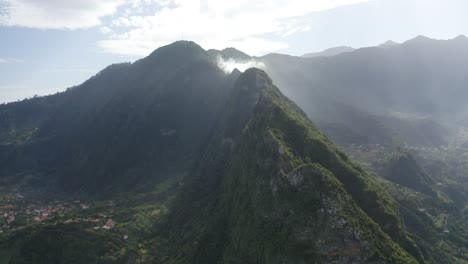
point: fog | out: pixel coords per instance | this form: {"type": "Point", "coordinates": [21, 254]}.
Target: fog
{"type": "Point", "coordinates": [229, 65]}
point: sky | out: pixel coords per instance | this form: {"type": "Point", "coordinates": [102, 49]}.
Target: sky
{"type": "Point", "coordinates": [47, 46]}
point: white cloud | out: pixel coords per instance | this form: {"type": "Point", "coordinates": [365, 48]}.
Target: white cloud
{"type": "Point", "coordinates": [10, 60]}
{"type": "Point", "coordinates": [56, 14]}
{"type": "Point", "coordinates": [229, 65]}
{"type": "Point", "coordinates": [243, 24]}
{"type": "Point", "coordinates": [106, 30]}
{"type": "Point", "coordinates": [137, 27]}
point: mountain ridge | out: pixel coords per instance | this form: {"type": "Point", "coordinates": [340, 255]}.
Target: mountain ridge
{"type": "Point", "coordinates": [247, 121]}
{"type": "Point", "coordinates": [329, 52]}
{"type": "Point", "coordinates": [247, 168]}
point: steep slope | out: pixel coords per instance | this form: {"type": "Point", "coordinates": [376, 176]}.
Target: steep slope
{"type": "Point", "coordinates": [270, 188]}
{"type": "Point", "coordinates": [130, 122]}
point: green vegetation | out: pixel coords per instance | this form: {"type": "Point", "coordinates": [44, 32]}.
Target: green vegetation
{"type": "Point", "coordinates": [435, 221]}
{"type": "Point", "coordinates": [170, 160]}
{"type": "Point", "coordinates": [436, 225]}
{"type": "Point", "coordinates": [77, 235]}
{"type": "Point", "coordinates": [270, 188]}
{"type": "Point", "coordinates": [403, 169]}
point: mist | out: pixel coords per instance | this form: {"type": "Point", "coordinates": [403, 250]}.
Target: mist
{"type": "Point", "coordinates": [229, 65]}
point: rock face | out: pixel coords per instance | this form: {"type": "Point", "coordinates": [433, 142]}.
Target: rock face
{"type": "Point", "coordinates": [270, 188]}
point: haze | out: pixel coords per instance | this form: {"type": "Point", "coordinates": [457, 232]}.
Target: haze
{"type": "Point", "coordinates": [48, 46]}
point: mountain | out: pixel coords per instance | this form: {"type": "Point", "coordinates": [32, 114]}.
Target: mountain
{"type": "Point", "coordinates": [269, 187]}
{"type": "Point", "coordinates": [403, 169]}
{"type": "Point", "coordinates": [230, 53]}
{"type": "Point", "coordinates": [420, 79]}
{"type": "Point", "coordinates": [377, 101]}
{"type": "Point", "coordinates": [329, 52]}
{"type": "Point", "coordinates": [133, 128]}
{"type": "Point", "coordinates": [129, 122]}
{"type": "Point", "coordinates": [171, 160]}
{"type": "Point", "coordinates": [388, 44]}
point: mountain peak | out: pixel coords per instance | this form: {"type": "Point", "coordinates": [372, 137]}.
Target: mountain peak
{"type": "Point", "coordinates": [423, 40]}
{"type": "Point", "coordinates": [178, 50]}
{"type": "Point", "coordinates": [254, 79]}
{"type": "Point", "coordinates": [256, 72]}
{"type": "Point", "coordinates": [461, 38]}
{"type": "Point", "coordinates": [236, 72]}
{"type": "Point", "coordinates": [266, 164]}
{"type": "Point", "coordinates": [421, 37]}
{"type": "Point", "coordinates": [235, 54]}
{"type": "Point", "coordinates": [418, 40]}
{"type": "Point", "coordinates": [251, 88]}
{"type": "Point", "coordinates": [403, 169]}
{"type": "Point", "coordinates": [389, 44]}
{"type": "Point", "coordinates": [230, 54]}
{"type": "Point", "coordinates": [180, 44]}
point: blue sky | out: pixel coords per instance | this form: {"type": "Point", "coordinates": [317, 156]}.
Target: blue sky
{"type": "Point", "coordinates": [49, 45]}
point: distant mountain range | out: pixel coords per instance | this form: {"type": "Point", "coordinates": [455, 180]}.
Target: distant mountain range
{"type": "Point", "coordinates": [329, 52]}
{"type": "Point", "coordinates": [213, 167]}
{"type": "Point", "coordinates": [343, 49]}
{"type": "Point", "coordinates": [421, 79]}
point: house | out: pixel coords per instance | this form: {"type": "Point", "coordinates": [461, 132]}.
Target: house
{"type": "Point", "coordinates": [109, 225]}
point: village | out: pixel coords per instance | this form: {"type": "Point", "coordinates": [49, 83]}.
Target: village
{"type": "Point", "coordinates": [18, 211]}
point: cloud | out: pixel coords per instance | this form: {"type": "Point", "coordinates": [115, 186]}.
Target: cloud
{"type": "Point", "coordinates": [10, 60]}
{"type": "Point", "coordinates": [106, 30]}
{"type": "Point", "coordinates": [137, 27]}
{"type": "Point", "coordinates": [56, 14]}
{"type": "Point", "coordinates": [229, 65]}
{"type": "Point", "coordinates": [244, 24]}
